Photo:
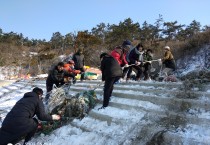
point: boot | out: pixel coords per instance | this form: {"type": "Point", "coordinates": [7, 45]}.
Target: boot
{"type": "Point", "coordinates": [127, 80]}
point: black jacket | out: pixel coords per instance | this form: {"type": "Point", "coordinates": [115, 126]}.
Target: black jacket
{"type": "Point", "coordinates": [110, 67]}
{"type": "Point", "coordinates": [133, 56]}
{"type": "Point", "coordinates": [55, 76]}
{"type": "Point", "coordinates": [19, 121]}
{"type": "Point", "coordinates": [79, 60]}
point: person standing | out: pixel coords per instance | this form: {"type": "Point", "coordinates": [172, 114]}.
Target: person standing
{"type": "Point", "coordinates": [148, 57]}
{"type": "Point", "coordinates": [120, 54]}
{"type": "Point", "coordinates": [20, 121]}
{"type": "Point", "coordinates": [111, 73]}
{"type": "Point", "coordinates": [168, 61]}
{"type": "Point", "coordinates": [136, 58]}
{"type": "Point", "coordinates": [79, 61]}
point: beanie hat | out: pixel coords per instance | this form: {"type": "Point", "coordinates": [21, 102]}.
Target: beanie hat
{"type": "Point", "coordinates": [126, 42]}
{"type": "Point", "coordinates": [167, 47]}
{"type": "Point", "coordinates": [60, 64]}
{"type": "Point", "coordinates": [38, 91]}
{"type": "Point", "coordinates": [103, 54]}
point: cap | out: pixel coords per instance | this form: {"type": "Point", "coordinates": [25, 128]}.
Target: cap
{"type": "Point", "coordinates": [126, 42]}
{"type": "Point", "coordinates": [167, 47]}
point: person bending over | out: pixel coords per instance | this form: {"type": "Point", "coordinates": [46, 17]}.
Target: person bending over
{"type": "Point", "coordinates": [20, 121]}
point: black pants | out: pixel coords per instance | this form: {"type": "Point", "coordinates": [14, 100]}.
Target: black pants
{"type": "Point", "coordinates": [147, 68]}
{"type": "Point", "coordinates": [32, 132]}
{"type": "Point", "coordinates": [108, 88]}
{"type": "Point", "coordinates": [6, 137]}
{"type": "Point", "coordinates": [139, 70]}
{"type": "Point", "coordinates": [125, 71]}
{"type": "Point", "coordinates": [49, 87]}
{"type": "Point", "coordinates": [82, 73]}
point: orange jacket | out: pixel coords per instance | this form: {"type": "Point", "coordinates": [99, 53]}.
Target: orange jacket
{"type": "Point", "coordinates": [69, 69]}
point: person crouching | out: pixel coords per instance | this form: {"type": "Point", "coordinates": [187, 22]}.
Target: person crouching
{"type": "Point", "coordinates": [20, 121]}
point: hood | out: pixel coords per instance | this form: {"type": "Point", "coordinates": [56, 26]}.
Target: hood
{"type": "Point", "coordinates": [30, 94]}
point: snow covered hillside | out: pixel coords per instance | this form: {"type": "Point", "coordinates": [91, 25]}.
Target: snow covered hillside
{"type": "Point", "coordinates": [139, 113]}
{"type": "Point", "coordinates": [198, 61]}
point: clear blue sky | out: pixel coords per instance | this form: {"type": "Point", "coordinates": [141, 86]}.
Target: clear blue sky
{"type": "Point", "coordinates": [39, 19]}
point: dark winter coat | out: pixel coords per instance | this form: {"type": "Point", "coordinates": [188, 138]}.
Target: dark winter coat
{"type": "Point", "coordinates": [168, 60]}
{"type": "Point", "coordinates": [110, 68]}
{"type": "Point", "coordinates": [55, 76]}
{"type": "Point", "coordinates": [147, 57]}
{"type": "Point", "coordinates": [133, 56]}
{"type": "Point", "coordinates": [19, 121]}
{"type": "Point", "coordinates": [79, 60]}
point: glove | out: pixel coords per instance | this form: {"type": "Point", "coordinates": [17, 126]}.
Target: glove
{"type": "Point", "coordinates": [66, 80]}
{"type": "Point", "coordinates": [160, 61]}
{"type": "Point", "coordinates": [56, 117]}
{"type": "Point", "coordinates": [39, 125]}
{"type": "Point", "coordinates": [126, 65]}
{"type": "Point", "coordinates": [138, 63]}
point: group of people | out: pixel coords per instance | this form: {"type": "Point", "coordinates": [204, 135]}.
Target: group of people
{"type": "Point", "coordinates": [138, 58]}
{"type": "Point", "coordinates": [21, 121]}
{"type": "Point", "coordinates": [123, 59]}
{"type": "Point", "coordinates": [65, 72]}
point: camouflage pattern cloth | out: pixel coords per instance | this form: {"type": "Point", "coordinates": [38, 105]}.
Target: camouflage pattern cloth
{"type": "Point", "coordinates": [69, 107]}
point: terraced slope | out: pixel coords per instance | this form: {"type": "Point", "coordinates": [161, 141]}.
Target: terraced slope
{"type": "Point", "coordinates": [164, 110]}
{"type": "Point", "coordinates": [148, 113]}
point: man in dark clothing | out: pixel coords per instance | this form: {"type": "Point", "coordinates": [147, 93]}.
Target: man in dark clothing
{"type": "Point", "coordinates": [19, 122]}
{"type": "Point", "coordinates": [79, 62]}
{"type": "Point", "coordinates": [56, 76]}
{"type": "Point", "coordinates": [136, 58]}
{"type": "Point", "coordinates": [111, 73]}
{"type": "Point", "coordinates": [148, 57]}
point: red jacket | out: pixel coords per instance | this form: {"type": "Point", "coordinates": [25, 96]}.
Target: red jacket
{"type": "Point", "coordinates": [118, 54]}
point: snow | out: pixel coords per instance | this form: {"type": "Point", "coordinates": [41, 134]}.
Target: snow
{"type": "Point", "coordinates": [117, 125]}
{"type": "Point", "coordinates": [196, 62]}
{"type": "Point", "coordinates": [196, 132]}
{"type": "Point", "coordinates": [42, 76]}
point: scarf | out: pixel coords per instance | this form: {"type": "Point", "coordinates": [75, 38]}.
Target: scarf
{"type": "Point", "coordinates": [141, 59]}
